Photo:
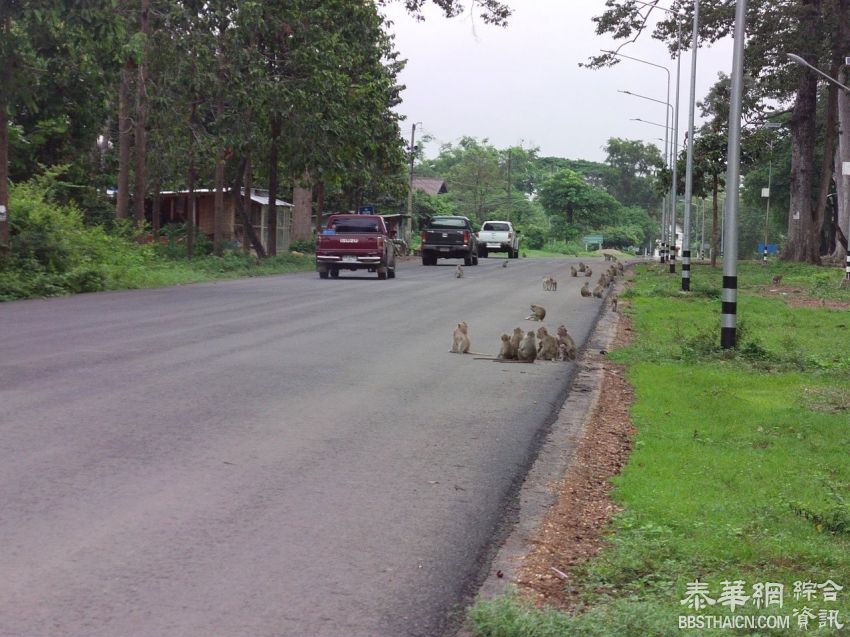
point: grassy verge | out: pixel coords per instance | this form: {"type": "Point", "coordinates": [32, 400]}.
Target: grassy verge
{"type": "Point", "coordinates": [740, 469]}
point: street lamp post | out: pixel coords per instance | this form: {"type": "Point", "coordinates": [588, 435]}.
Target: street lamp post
{"type": "Point", "coordinates": [661, 252]}
{"type": "Point", "coordinates": [729, 308]}
{"type": "Point", "coordinates": [689, 171]}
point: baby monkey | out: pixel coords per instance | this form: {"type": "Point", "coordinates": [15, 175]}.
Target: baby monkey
{"type": "Point", "coordinates": [460, 339]}
{"type": "Point", "coordinates": [459, 271]}
{"type": "Point", "coordinates": [566, 345]}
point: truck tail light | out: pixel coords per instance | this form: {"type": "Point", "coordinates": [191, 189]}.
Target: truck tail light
{"type": "Point", "coordinates": [380, 243]}
{"type": "Point", "coordinates": [423, 235]}
{"type": "Point", "coordinates": [466, 236]}
{"type": "Point", "coordinates": [510, 236]}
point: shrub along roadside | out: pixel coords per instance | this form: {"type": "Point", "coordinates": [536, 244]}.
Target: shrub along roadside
{"type": "Point", "coordinates": [54, 252]}
{"type": "Point", "coordinates": [739, 471]}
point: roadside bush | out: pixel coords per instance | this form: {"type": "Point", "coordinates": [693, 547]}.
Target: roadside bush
{"type": "Point", "coordinates": [308, 246]}
{"type": "Point", "coordinates": [534, 238]}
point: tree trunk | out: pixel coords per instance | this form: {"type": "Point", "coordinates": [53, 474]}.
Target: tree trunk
{"type": "Point", "coordinates": [819, 214]}
{"type": "Point", "coordinates": [190, 182]}
{"type": "Point", "coordinates": [246, 217]}
{"type": "Point", "coordinates": [802, 244]}
{"type": "Point", "coordinates": [250, 233]}
{"type": "Point", "coordinates": [842, 182]}
{"type": "Point", "coordinates": [141, 117]}
{"type": "Point", "coordinates": [122, 210]}
{"type": "Point", "coordinates": [155, 210]}
{"type": "Point", "coordinates": [271, 244]}
{"type": "Point", "coordinates": [320, 205]}
{"type": "Point", "coordinates": [4, 178]}
{"type": "Point", "coordinates": [715, 187]}
{"type": "Point", "coordinates": [302, 212]}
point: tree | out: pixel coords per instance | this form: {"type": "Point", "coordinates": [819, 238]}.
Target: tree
{"type": "Point", "coordinates": [566, 194]}
{"type": "Point", "coordinates": [635, 167]}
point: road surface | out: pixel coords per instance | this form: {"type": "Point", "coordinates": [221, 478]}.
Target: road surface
{"type": "Point", "coordinates": [281, 456]}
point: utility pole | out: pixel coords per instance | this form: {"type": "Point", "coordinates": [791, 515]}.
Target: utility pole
{"type": "Point", "coordinates": [409, 224]}
{"type": "Point", "coordinates": [689, 171]}
{"type": "Point", "coordinates": [729, 308]}
{"type": "Point", "coordinates": [509, 184]}
{"type": "Point", "coordinates": [674, 189]}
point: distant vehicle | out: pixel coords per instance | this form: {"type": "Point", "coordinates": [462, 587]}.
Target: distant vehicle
{"type": "Point", "coordinates": [498, 236]}
{"type": "Point", "coordinates": [355, 242]}
{"type": "Point", "coordinates": [449, 238]}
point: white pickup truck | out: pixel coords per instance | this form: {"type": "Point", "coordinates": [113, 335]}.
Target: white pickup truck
{"type": "Point", "coordinates": [498, 236]}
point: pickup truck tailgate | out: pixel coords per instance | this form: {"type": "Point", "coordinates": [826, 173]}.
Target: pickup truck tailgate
{"type": "Point", "coordinates": [445, 237]}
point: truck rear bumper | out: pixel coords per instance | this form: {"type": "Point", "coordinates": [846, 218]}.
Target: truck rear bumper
{"type": "Point", "coordinates": [446, 252]}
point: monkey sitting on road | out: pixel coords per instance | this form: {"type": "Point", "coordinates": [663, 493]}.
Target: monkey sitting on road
{"type": "Point", "coordinates": [516, 337]}
{"type": "Point", "coordinates": [573, 271]}
{"type": "Point", "coordinates": [459, 271]}
{"type": "Point", "coordinates": [538, 313]}
{"type": "Point", "coordinates": [505, 263]}
{"type": "Point", "coordinates": [581, 266]}
{"type": "Point", "coordinates": [597, 291]}
{"type": "Point", "coordinates": [566, 344]}
{"type": "Point", "coordinates": [527, 348]}
{"type": "Point", "coordinates": [547, 348]}
{"type": "Point", "coordinates": [460, 339]}
{"type": "Point", "coordinates": [588, 272]}
{"type": "Point", "coordinates": [505, 351]}
{"type": "Point", "coordinates": [585, 289]}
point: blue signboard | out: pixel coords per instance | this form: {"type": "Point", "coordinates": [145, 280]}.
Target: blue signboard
{"type": "Point", "coordinates": [366, 210]}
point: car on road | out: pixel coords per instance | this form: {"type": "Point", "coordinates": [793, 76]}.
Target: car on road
{"type": "Point", "coordinates": [355, 242]}
{"type": "Point", "coordinates": [498, 236]}
{"type": "Point", "coordinates": [449, 237]}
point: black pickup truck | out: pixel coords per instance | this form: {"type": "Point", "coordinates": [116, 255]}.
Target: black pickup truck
{"type": "Point", "coordinates": [449, 238]}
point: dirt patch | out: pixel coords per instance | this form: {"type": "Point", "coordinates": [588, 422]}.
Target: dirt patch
{"type": "Point", "coordinates": [573, 529]}
{"type": "Point", "coordinates": [795, 297]}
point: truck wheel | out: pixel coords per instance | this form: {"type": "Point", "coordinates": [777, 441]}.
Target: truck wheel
{"type": "Point", "coordinates": [335, 273]}
{"type": "Point", "coordinates": [483, 253]}
{"type": "Point", "coordinates": [382, 274]}
{"type": "Point", "coordinates": [429, 260]}
{"type": "Point", "coordinates": [513, 254]}
{"type": "Point", "coordinates": [323, 274]}
{"type": "Point", "coordinates": [391, 273]}
{"type": "Point", "coordinates": [475, 259]}
{"type": "Point", "coordinates": [467, 260]}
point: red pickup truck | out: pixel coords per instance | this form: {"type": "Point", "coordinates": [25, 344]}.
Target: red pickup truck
{"type": "Point", "coordinates": [355, 242]}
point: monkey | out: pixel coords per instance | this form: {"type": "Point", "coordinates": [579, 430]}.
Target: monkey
{"type": "Point", "coordinates": [516, 337]}
{"type": "Point", "coordinates": [527, 348]}
{"type": "Point", "coordinates": [588, 272]}
{"type": "Point", "coordinates": [585, 289]}
{"type": "Point", "coordinates": [459, 271]}
{"type": "Point", "coordinates": [573, 271]}
{"type": "Point", "coordinates": [505, 352]}
{"type": "Point", "coordinates": [581, 266]}
{"type": "Point", "coordinates": [566, 344]}
{"type": "Point", "coordinates": [777, 279]}
{"type": "Point", "coordinates": [547, 347]}
{"type": "Point", "coordinates": [614, 301]}
{"type": "Point", "coordinates": [620, 266]}
{"type": "Point", "coordinates": [538, 313]}
{"type": "Point", "coordinates": [550, 284]}
{"type": "Point", "coordinates": [460, 339]}
{"type": "Point", "coordinates": [603, 280]}
{"type": "Point", "coordinates": [554, 285]}
{"type": "Point", "coordinates": [505, 263]}
{"type": "Point", "coordinates": [597, 291]}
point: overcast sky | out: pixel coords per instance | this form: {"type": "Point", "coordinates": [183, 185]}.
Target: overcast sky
{"type": "Point", "coordinates": [521, 85]}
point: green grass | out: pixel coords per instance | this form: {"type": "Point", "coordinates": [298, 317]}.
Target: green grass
{"type": "Point", "coordinates": [740, 468]}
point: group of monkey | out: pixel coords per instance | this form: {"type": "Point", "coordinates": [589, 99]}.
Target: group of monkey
{"type": "Point", "coordinates": [520, 348]}
{"type": "Point", "coordinates": [526, 348]}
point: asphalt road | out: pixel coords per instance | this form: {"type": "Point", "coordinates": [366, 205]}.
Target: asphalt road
{"type": "Point", "coordinates": [283, 456]}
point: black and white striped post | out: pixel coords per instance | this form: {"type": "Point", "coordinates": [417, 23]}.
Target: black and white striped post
{"type": "Point", "coordinates": [846, 281]}
{"type": "Point", "coordinates": [729, 311]}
